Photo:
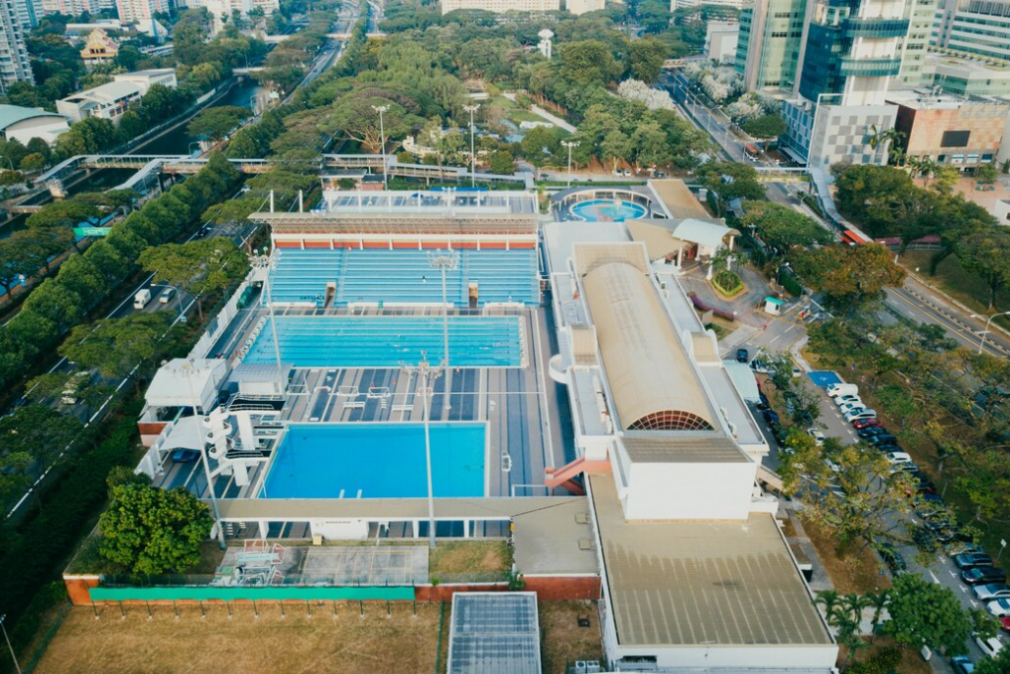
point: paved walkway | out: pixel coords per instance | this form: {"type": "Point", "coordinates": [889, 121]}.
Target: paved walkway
{"type": "Point", "coordinates": [552, 118]}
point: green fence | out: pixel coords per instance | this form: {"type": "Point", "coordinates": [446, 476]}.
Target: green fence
{"type": "Point", "coordinates": [251, 593]}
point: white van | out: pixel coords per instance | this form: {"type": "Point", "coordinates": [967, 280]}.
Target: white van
{"type": "Point", "coordinates": [991, 647]}
{"type": "Point", "coordinates": [842, 390]}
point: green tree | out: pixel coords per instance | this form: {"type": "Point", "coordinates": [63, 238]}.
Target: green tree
{"type": "Point", "coordinates": [946, 178]}
{"type": "Point", "coordinates": [115, 346]}
{"type": "Point", "coordinates": [198, 267]}
{"type": "Point", "coordinates": [356, 118]}
{"type": "Point", "coordinates": [151, 531]}
{"type": "Point", "coordinates": [898, 402]}
{"type": "Point", "coordinates": [588, 62]}
{"type": "Point", "coordinates": [502, 162]}
{"type": "Point", "coordinates": [848, 275]}
{"type": "Point", "coordinates": [33, 162]}
{"type": "Point", "coordinates": [650, 145]}
{"type": "Point", "coordinates": [645, 58]}
{"type": "Point", "coordinates": [538, 146]}
{"type": "Point", "coordinates": [33, 437]}
{"type": "Point", "coordinates": [987, 174]}
{"type": "Point", "coordinates": [923, 613]}
{"type": "Point", "coordinates": [216, 123]}
{"type": "Point", "coordinates": [616, 147]}
{"type": "Point", "coordinates": [986, 252]}
{"type": "Point", "coordinates": [782, 227]}
{"type": "Point", "coordinates": [730, 181]}
{"type": "Point", "coordinates": [765, 126]}
{"type": "Point", "coordinates": [998, 665]}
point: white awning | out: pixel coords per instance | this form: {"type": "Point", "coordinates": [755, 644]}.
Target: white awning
{"type": "Point", "coordinates": [187, 433]}
{"type": "Point", "coordinates": [187, 383]}
{"type": "Point", "coordinates": [704, 233]}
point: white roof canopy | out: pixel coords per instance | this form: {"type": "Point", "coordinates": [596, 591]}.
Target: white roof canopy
{"type": "Point", "coordinates": [187, 383]}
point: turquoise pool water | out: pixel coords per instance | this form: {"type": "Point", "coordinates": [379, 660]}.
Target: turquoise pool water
{"type": "Point", "coordinates": [388, 341]}
{"type": "Point", "coordinates": [605, 210]}
{"type": "Point", "coordinates": [376, 461]}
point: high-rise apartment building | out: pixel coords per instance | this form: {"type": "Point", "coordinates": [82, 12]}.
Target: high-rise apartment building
{"type": "Point", "coordinates": [770, 43]}
{"type": "Point", "coordinates": [14, 63]}
{"type": "Point", "coordinates": [978, 27]}
{"type": "Point", "coordinates": [132, 11]}
{"type": "Point", "coordinates": [921, 15]}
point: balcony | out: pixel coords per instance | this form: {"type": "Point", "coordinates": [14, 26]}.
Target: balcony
{"type": "Point", "coordinates": [874, 28]}
{"type": "Point", "coordinates": [863, 67]}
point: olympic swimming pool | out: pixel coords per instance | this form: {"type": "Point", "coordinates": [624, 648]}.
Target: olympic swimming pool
{"type": "Point", "coordinates": [600, 210]}
{"type": "Point", "coordinates": [376, 461]}
{"type": "Point", "coordinates": [388, 341]}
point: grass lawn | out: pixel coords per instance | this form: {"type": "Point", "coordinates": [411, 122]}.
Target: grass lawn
{"type": "Point", "coordinates": [469, 557]}
{"type": "Point", "coordinates": [217, 645]}
{"type": "Point", "coordinates": [951, 278]}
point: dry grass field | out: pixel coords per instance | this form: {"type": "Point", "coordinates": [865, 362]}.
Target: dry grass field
{"type": "Point", "coordinates": [245, 644]}
{"type": "Point", "coordinates": [295, 644]}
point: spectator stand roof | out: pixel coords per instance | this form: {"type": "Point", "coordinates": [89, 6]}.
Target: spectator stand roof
{"type": "Point", "coordinates": [494, 633]}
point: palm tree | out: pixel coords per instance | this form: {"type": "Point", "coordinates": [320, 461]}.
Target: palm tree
{"type": "Point", "coordinates": [828, 599]}
{"type": "Point", "coordinates": [847, 618]}
{"type": "Point", "coordinates": [924, 167]}
{"type": "Point", "coordinates": [889, 139]}
{"type": "Point", "coordinates": [878, 602]}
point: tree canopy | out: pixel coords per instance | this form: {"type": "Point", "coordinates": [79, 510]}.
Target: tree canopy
{"type": "Point", "coordinates": [151, 531]}
{"type": "Point", "coordinates": [782, 227]}
{"type": "Point", "coordinates": [923, 613]}
{"type": "Point", "coordinates": [848, 275]}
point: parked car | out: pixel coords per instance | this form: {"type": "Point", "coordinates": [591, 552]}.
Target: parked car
{"type": "Point", "coordinates": [742, 355]}
{"type": "Point", "coordinates": [904, 466]}
{"type": "Point", "coordinates": [759, 366]}
{"type": "Point", "coordinates": [970, 560]}
{"type": "Point", "coordinates": [895, 562]}
{"type": "Point", "coordinates": [924, 540]}
{"type": "Point", "coordinates": [962, 665]}
{"type": "Point", "coordinates": [871, 431]}
{"type": "Point", "coordinates": [763, 403]}
{"type": "Point", "coordinates": [860, 414]}
{"type": "Point", "coordinates": [850, 408]}
{"type": "Point", "coordinates": [841, 389]}
{"type": "Point", "coordinates": [990, 647]}
{"type": "Point", "coordinates": [771, 417]}
{"type": "Point", "coordinates": [847, 398]}
{"type": "Point", "coordinates": [983, 574]}
{"type": "Point", "coordinates": [991, 591]}
{"type": "Point", "coordinates": [882, 439]}
{"type": "Point", "coordinates": [1004, 624]}
{"type": "Point", "coordinates": [963, 548]}
{"type": "Point", "coordinates": [816, 435]}
{"type": "Point", "coordinates": [898, 457]}
{"type": "Point", "coordinates": [185, 455]}
{"type": "Point", "coordinates": [866, 423]}
{"type": "Point", "coordinates": [999, 607]}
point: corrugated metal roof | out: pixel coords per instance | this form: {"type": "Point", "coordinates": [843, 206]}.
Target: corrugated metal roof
{"type": "Point", "coordinates": [494, 633]}
{"type": "Point", "coordinates": [683, 447]}
{"type": "Point", "coordinates": [678, 199]}
{"type": "Point", "coordinates": [12, 114]}
{"type": "Point", "coordinates": [702, 582]}
{"type": "Point", "coordinates": [646, 364]}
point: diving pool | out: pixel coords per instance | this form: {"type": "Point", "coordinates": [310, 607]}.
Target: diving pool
{"type": "Point", "coordinates": [376, 461]}
{"type": "Point", "coordinates": [606, 210]}
{"type": "Point", "coordinates": [389, 341]}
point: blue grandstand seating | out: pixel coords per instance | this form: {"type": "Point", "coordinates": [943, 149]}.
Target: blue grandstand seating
{"type": "Point", "coordinates": [403, 276]}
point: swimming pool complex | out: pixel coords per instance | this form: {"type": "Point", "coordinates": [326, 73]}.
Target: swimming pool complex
{"type": "Point", "coordinates": [605, 210]}
{"type": "Point", "coordinates": [376, 461]}
{"type": "Point", "coordinates": [388, 341]}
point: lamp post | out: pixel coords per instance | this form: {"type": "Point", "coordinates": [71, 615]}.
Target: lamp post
{"type": "Point", "coordinates": [444, 262]}
{"type": "Point", "coordinates": [473, 157]}
{"type": "Point", "coordinates": [9, 647]}
{"type": "Point", "coordinates": [570, 144]}
{"type": "Point", "coordinates": [426, 374]}
{"type": "Point", "coordinates": [985, 332]}
{"type": "Point", "coordinates": [381, 109]}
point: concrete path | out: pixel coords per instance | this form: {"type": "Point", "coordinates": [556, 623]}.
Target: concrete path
{"type": "Point", "coordinates": [552, 118]}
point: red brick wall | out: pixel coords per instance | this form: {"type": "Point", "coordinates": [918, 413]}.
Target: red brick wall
{"type": "Point", "coordinates": [551, 588]}
{"type": "Point", "coordinates": [78, 589]}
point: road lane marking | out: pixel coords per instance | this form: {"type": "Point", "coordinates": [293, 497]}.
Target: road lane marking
{"type": "Point", "coordinates": [933, 576]}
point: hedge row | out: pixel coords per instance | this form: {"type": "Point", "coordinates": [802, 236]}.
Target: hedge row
{"type": "Point", "coordinates": [86, 279]}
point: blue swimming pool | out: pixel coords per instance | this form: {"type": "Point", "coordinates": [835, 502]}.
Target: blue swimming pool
{"type": "Point", "coordinates": [606, 210]}
{"type": "Point", "coordinates": [376, 461]}
{"type": "Point", "coordinates": [388, 341]}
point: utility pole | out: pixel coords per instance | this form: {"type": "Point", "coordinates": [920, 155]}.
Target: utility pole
{"type": "Point", "coordinates": [570, 144]}
{"type": "Point", "coordinates": [381, 109]}
{"type": "Point", "coordinates": [473, 157]}
{"type": "Point", "coordinates": [9, 647]}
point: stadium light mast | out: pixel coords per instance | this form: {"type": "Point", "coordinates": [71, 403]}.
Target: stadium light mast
{"type": "Point", "coordinates": [382, 109]}
{"type": "Point", "coordinates": [426, 375]}
{"type": "Point", "coordinates": [444, 262]}
{"type": "Point", "coordinates": [570, 144]}
{"type": "Point", "coordinates": [473, 157]}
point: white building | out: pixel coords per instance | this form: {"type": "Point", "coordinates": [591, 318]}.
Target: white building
{"type": "Point", "coordinates": [977, 27]}
{"type": "Point", "coordinates": [502, 6]}
{"type": "Point", "coordinates": [15, 21]}
{"type": "Point", "coordinates": [112, 100]}
{"type": "Point", "coordinates": [134, 11]}
{"type": "Point", "coordinates": [582, 6]}
{"type": "Point", "coordinates": [23, 124]}
{"type": "Point", "coordinates": [685, 537]}
{"type": "Point", "coordinates": [721, 39]}
{"type": "Point", "coordinates": [681, 4]}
